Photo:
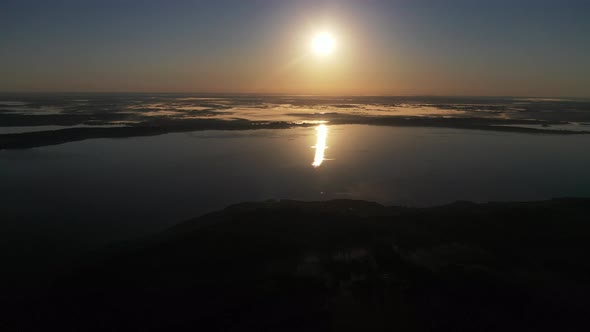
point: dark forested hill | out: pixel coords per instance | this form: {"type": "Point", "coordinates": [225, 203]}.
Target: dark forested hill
{"type": "Point", "coordinates": [337, 266]}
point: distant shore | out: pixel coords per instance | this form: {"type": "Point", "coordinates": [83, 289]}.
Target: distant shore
{"type": "Point", "coordinates": [54, 137]}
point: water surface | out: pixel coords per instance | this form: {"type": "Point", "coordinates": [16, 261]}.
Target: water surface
{"type": "Point", "coordinates": [103, 189]}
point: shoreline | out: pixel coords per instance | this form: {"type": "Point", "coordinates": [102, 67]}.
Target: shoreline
{"type": "Point", "coordinates": [54, 137]}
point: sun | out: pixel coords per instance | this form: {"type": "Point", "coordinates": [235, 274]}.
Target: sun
{"type": "Point", "coordinates": [323, 43]}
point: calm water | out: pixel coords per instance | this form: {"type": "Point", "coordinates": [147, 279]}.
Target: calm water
{"type": "Point", "coordinates": [146, 182]}
{"type": "Point", "coordinates": [83, 194]}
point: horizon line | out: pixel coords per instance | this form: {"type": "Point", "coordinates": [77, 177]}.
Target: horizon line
{"type": "Point", "coordinates": [295, 94]}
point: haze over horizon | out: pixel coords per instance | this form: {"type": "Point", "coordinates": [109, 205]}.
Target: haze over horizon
{"type": "Point", "coordinates": [466, 48]}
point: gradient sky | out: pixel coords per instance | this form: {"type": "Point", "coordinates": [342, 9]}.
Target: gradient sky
{"type": "Point", "coordinates": [404, 47]}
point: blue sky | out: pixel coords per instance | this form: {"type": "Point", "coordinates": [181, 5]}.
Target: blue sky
{"type": "Point", "coordinates": [533, 48]}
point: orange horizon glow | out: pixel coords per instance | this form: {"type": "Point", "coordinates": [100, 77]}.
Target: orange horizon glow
{"type": "Point", "coordinates": [294, 47]}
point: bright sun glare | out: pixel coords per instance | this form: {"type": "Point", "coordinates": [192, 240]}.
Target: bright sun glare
{"type": "Point", "coordinates": [320, 145]}
{"type": "Point", "coordinates": [323, 43]}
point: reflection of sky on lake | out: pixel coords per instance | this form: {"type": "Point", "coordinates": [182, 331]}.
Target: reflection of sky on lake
{"type": "Point", "coordinates": [112, 188]}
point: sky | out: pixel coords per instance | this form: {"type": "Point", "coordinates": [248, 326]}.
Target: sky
{"type": "Point", "coordinates": [395, 47]}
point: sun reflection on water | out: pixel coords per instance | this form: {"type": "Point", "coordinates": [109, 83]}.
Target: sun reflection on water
{"type": "Point", "coordinates": [320, 145]}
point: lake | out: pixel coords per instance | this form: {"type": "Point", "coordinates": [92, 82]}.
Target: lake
{"type": "Point", "coordinates": [101, 190]}
{"type": "Point", "coordinates": [68, 188]}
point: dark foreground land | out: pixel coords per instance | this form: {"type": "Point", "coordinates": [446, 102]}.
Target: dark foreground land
{"type": "Point", "coordinates": [336, 266]}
